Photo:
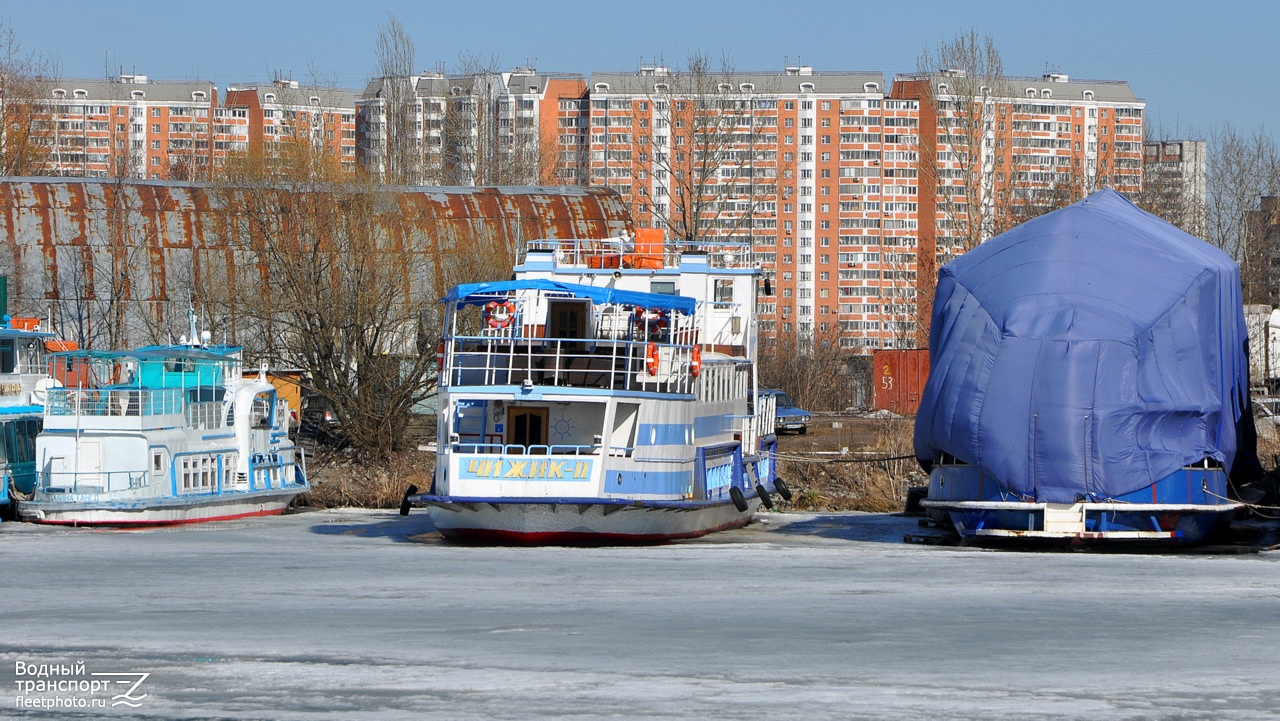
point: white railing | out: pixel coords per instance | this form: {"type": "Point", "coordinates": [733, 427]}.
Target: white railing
{"type": "Point", "coordinates": [582, 363]}
{"type": "Point", "coordinates": [96, 402]}
{"type": "Point", "coordinates": [92, 481]}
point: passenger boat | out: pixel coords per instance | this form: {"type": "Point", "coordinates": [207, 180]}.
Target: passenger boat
{"type": "Point", "coordinates": [24, 380]}
{"type": "Point", "coordinates": [602, 396]}
{"type": "Point", "coordinates": [163, 435]}
{"type": "Point", "coordinates": [1089, 383]}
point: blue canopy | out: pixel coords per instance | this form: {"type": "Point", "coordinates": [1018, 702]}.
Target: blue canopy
{"type": "Point", "coordinates": [481, 293]}
{"type": "Point", "coordinates": [1091, 351]}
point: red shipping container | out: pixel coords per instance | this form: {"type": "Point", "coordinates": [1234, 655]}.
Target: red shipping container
{"type": "Point", "coordinates": [899, 377]}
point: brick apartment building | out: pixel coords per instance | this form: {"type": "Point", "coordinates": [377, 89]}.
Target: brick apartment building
{"type": "Point", "coordinates": [848, 203]}
{"type": "Point", "coordinates": [135, 127]}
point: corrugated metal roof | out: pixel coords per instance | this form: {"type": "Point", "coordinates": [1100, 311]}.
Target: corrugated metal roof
{"type": "Point", "coordinates": [89, 248]}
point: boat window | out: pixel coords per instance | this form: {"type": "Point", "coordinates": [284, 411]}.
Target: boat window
{"type": "Point", "coordinates": [7, 357]}
{"type": "Point", "coordinates": [662, 287]}
{"type": "Point", "coordinates": [724, 290]}
{"type": "Point", "coordinates": [623, 438]}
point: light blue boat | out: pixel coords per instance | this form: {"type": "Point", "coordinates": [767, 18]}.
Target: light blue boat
{"type": "Point", "coordinates": [163, 435]}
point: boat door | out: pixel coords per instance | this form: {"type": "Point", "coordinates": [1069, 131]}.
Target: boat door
{"type": "Point", "coordinates": [527, 427]}
{"type": "Point", "coordinates": [89, 463]}
{"type": "Point", "coordinates": [567, 318]}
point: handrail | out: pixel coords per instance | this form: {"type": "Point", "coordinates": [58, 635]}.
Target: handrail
{"type": "Point", "coordinates": [113, 402]}
{"type": "Point", "coordinates": [516, 449]}
{"type": "Point", "coordinates": [105, 481]}
{"type": "Point", "coordinates": [611, 364]}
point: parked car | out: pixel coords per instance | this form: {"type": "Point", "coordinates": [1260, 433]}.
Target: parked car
{"type": "Point", "coordinates": [787, 417]}
{"type": "Point", "coordinates": [317, 420]}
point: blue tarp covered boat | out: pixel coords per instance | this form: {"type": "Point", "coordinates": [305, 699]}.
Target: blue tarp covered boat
{"type": "Point", "coordinates": [1089, 379]}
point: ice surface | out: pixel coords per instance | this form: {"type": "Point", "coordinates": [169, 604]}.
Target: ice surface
{"type": "Point", "coordinates": [354, 614]}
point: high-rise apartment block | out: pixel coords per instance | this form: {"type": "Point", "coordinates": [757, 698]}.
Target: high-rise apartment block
{"type": "Point", "coordinates": [815, 169]}
{"type": "Point", "coordinates": [1175, 180]}
{"type": "Point", "coordinates": [484, 128]}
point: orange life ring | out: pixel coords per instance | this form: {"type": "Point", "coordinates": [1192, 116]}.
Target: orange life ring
{"type": "Point", "coordinates": [440, 355]}
{"type": "Point", "coordinates": [499, 315]}
{"type": "Point", "coordinates": [695, 362]}
{"type": "Point", "coordinates": [651, 319]}
{"type": "Point", "coordinates": [651, 359]}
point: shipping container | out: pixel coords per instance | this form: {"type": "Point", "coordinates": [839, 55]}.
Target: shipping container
{"type": "Point", "coordinates": [898, 377]}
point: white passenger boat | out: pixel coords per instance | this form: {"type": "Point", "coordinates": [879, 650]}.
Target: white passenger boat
{"type": "Point", "coordinates": [162, 435]}
{"type": "Point", "coordinates": [602, 395]}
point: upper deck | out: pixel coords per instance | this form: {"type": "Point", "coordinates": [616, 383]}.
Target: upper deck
{"type": "Point", "coordinates": [618, 314]}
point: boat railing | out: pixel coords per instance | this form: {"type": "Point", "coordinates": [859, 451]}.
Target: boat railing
{"type": "Point", "coordinates": [92, 481]}
{"type": "Point", "coordinates": [607, 254]}
{"type": "Point", "coordinates": [615, 365]}
{"type": "Point", "coordinates": [113, 402]}
{"type": "Point", "coordinates": [517, 449]}
{"type": "Point", "coordinates": [630, 252]}
{"type": "Point", "coordinates": [206, 414]}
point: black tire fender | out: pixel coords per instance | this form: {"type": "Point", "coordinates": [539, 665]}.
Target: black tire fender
{"type": "Point", "coordinates": [765, 500]}
{"type": "Point", "coordinates": [780, 486]}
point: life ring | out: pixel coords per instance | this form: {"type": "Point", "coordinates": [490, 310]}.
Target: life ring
{"type": "Point", "coordinates": [651, 359]}
{"type": "Point", "coordinates": [440, 355]}
{"type": "Point", "coordinates": [650, 319]}
{"type": "Point", "coordinates": [695, 361]}
{"type": "Point", "coordinates": [499, 315]}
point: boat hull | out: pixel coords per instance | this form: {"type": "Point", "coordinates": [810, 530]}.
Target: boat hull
{"type": "Point", "coordinates": [579, 521]}
{"type": "Point", "coordinates": [161, 512]}
{"type": "Point", "coordinates": [1187, 507]}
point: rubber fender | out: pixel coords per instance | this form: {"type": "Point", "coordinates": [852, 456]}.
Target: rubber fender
{"type": "Point", "coordinates": [764, 496]}
{"type": "Point", "coordinates": [780, 486]}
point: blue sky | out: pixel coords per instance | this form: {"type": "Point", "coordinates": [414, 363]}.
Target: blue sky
{"type": "Point", "coordinates": [1198, 65]}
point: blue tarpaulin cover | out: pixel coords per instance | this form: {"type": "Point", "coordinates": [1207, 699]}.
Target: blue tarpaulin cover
{"type": "Point", "coordinates": [1089, 352]}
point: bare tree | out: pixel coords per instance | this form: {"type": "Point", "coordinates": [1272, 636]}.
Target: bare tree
{"type": "Point", "coordinates": [816, 375]}
{"type": "Point", "coordinates": [399, 151]}
{"type": "Point", "coordinates": [23, 134]}
{"type": "Point", "coordinates": [330, 286]}
{"type": "Point", "coordinates": [713, 149]}
{"type": "Point", "coordinates": [1243, 170]}
{"type": "Point", "coordinates": [965, 76]}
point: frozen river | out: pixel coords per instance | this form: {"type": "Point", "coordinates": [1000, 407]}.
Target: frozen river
{"type": "Point", "coordinates": [352, 614]}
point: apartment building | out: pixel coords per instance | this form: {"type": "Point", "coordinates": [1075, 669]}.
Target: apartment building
{"type": "Point", "coordinates": [1000, 151]}
{"type": "Point", "coordinates": [814, 169]}
{"type": "Point", "coordinates": [135, 127]}
{"type": "Point", "coordinates": [852, 193]}
{"type": "Point", "coordinates": [269, 115]}
{"type": "Point", "coordinates": [128, 126]}
{"type": "Point", "coordinates": [485, 128]}
{"type": "Point", "coordinates": [1175, 180]}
